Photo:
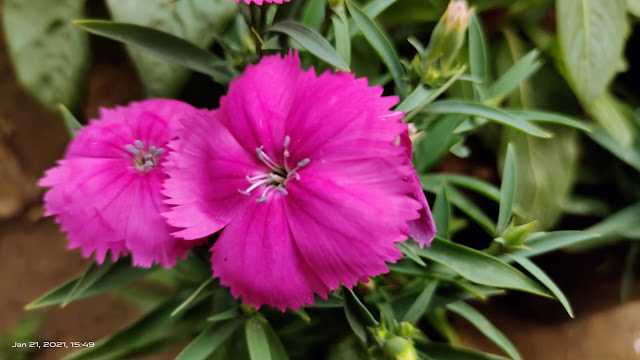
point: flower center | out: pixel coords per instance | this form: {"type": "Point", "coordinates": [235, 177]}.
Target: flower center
{"type": "Point", "coordinates": [144, 159]}
{"type": "Point", "coordinates": [277, 178]}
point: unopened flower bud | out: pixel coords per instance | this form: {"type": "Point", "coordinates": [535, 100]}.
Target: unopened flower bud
{"type": "Point", "coordinates": [399, 348]}
{"type": "Point", "coordinates": [449, 34]}
{"type": "Point", "coordinates": [516, 235]}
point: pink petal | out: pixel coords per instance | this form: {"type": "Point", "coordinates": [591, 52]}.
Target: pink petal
{"type": "Point", "coordinates": [206, 169]}
{"type": "Point", "coordinates": [423, 229]}
{"type": "Point", "coordinates": [347, 232]}
{"type": "Point", "coordinates": [256, 256]}
{"type": "Point", "coordinates": [257, 104]}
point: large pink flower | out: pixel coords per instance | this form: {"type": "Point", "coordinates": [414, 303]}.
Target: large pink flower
{"type": "Point", "coordinates": [106, 192]}
{"type": "Point", "coordinates": [307, 176]}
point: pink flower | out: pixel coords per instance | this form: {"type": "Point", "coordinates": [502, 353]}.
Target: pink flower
{"type": "Point", "coordinates": [304, 174]}
{"type": "Point", "coordinates": [106, 192]}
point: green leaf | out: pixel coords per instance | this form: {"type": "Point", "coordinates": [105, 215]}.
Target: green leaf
{"type": "Point", "coordinates": [343, 40]}
{"type": "Point", "coordinates": [608, 112]}
{"type": "Point", "coordinates": [372, 10]}
{"type": "Point", "coordinates": [196, 21]}
{"type": "Point", "coordinates": [420, 94]}
{"type": "Point", "coordinates": [50, 57]}
{"type": "Point", "coordinates": [630, 154]}
{"type": "Point", "coordinates": [539, 274]}
{"type": "Point", "coordinates": [122, 273]}
{"type": "Point", "coordinates": [153, 327]}
{"type": "Point", "coordinates": [472, 210]}
{"type": "Point", "coordinates": [262, 342]}
{"type": "Point", "coordinates": [479, 267]}
{"type": "Point", "coordinates": [633, 6]}
{"type": "Point", "coordinates": [618, 226]}
{"type": "Point", "coordinates": [545, 174]}
{"type": "Point", "coordinates": [481, 187]}
{"type": "Point", "coordinates": [209, 340]}
{"type": "Point", "coordinates": [430, 148]}
{"type": "Point", "coordinates": [592, 37]}
{"type": "Point", "coordinates": [93, 274]}
{"type": "Point", "coordinates": [225, 315]}
{"type": "Point", "coordinates": [549, 117]}
{"type": "Point", "coordinates": [71, 123]}
{"type": "Point", "coordinates": [519, 72]}
{"type": "Point", "coordinates": [313, 14]}
{"type": "Point", "coordinates": [438, 351]}
{"type": "Point", "coordinates": [408, 250]}
{"type": "Point", "coordinates": [507, 190]}
{"type": "Point", "coordinates": [433, 182]}
{"type": "Point", "coordinates": [483, 111]}
{"type": "Point", "coordinates": [486, 327]}
{"type": "Point", "coordinates": [544, 242]}
{"type": "Point", "coordinates": [421, 97]}
{"type": "Point", "coordinates": [382, 45]}
{"type": "Point", "coordinates": [312, 41]}
{"type": "Point", "coordinates": [442, 212]}
{"type": "Point", "coordinates": [478, 54]}
{"type": "Point", "coordinates": [257, 342]}
{"type": "Point", "coordinates": [420, 306]}
{"type": "Point", "coordinates": [200, 292]}
{"type": "Point", "coordinates": [162, 45]}
{"type": "Point", "coordinates": [357, 314]}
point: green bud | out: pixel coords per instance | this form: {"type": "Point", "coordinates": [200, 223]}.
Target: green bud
{"type": "Point", "coordinates": [399, 348]}
{"type": "Point", "coordinates": [516, 235]}
{"type": "Point", "coordinates": [449, 34]}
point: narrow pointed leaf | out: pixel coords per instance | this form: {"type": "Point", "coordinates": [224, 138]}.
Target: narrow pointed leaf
{"type": "Point", "coordinates": [343, 40]}
{"type": "Point", "coordinates": [198, 293]}
{"type": "Point", "coordinates": [549, 117]}
{"type": "Point", "coordinates": [475, 109]}
{"type": "Point", "coordinates": [93, 274]}
{"type": "Point", "coordinates": [421, 304]}
{"type": "Point", "coordinates": [539, 274]}
{"type": "Point", "coordinates": [209, 340]}
{"type": "Point", "coordinates": [161, 44]}
{"type": "Point", "coordinates": [409, 250]}
{"type": "Point", "coordinates": [312, 41]}
{"type": "Point", "coordinates": [257, 342]}
{"type": "Point", "coordinates": [544, 242]}
{"type": "Point", "coordinates": [507, 190]}
{"type": "Point", "coordinates": [486, 327]}
{"type": "Point", "coordinates": [479, 267]}
{"type": "Point", "coordinates": [478, 54]}
{"type": "Point", "coordinates": [122, 273]}
{"type": "Point", "coordinates": [442, 212]}
{"type": "Point", "coordinates": [519, 72]}
{"type": "Point", "coordinates": [382, 45]}
{"type": "Point", "coordinates": [357, 314]}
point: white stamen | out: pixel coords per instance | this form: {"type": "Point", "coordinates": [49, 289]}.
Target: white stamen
{"type": "Point", "coordinates": [133, 149]}
{"type": "Point", "coordinates": [152, 149]}
{"type": "Point", "coordinates": [139, 144]}
{"type": "Point", "coordinates": [279, 175]}
{"type": "Point", "coordinates": [262, 156]}
{"type": "Point", "coordinates": [159, 151]}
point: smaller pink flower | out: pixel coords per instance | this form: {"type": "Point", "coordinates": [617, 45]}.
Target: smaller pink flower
{"type": "Point", "coordinates": [106, 192]}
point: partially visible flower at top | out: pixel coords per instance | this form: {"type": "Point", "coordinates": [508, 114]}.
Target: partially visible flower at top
{"type": "Point", "coordinates": [306, 176]}
{"type": "Point", "coordinates": [260, 2]}
{"type": "Point", "coordinates": [106, 192]}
